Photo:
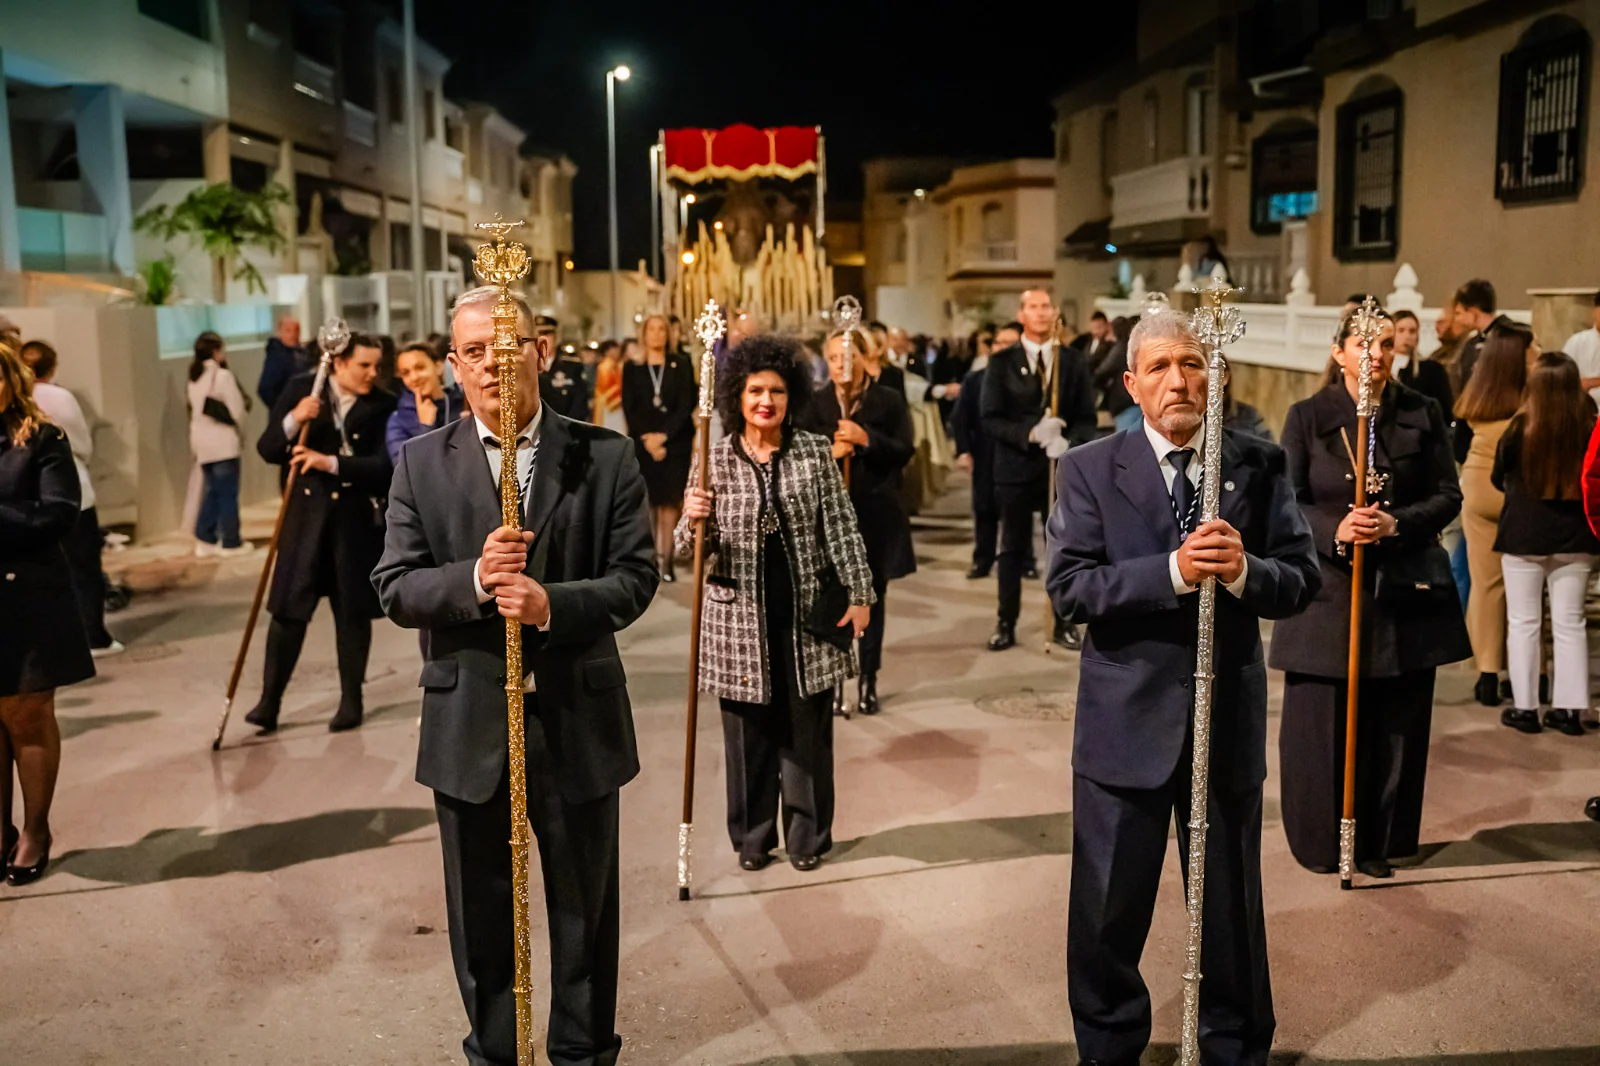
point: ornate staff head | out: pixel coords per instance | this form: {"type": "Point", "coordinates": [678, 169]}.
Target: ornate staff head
{"type": "Point", "coordinates": [846, 320]}
{"type": "Point", "coordinates": [500, 263]}
{"type": "Point", "coordinates": [332, 336]}
{"type": "Point", "coordinates": [710, 327]}
{"type": "Point", "coordinates": [1366, 320]}
{"type": "Point", "coordinates": [1216, 322]}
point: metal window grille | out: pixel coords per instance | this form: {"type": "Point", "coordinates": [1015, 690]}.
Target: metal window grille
{"type": "Point", "coordinates": [1367, 181]}
{"type": "Point", "coordinates": [1542, 92]}
{"type": "Point", "coordinates": [1283, 178]}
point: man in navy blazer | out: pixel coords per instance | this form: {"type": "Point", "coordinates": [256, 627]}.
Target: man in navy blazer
{"type": "Point", "coordinates": [1128, 556]}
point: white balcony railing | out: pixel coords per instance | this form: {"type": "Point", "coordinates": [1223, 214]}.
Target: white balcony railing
{"type": "Point", "coordinates": [450, 160]}
{"type": "Point", "coordinates": [360, 125]}
{"type": "Point", "coordinates": [474, 191]}
{"type": "Point", "coordinates": [981, 255]}
{"type": "Point", "coordinates": [314, 79]}
{"type": "Point", "coordinates": [1177, 189]}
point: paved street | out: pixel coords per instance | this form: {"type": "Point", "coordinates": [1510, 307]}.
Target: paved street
{"type": "Point", "coordinates": [282, 902]}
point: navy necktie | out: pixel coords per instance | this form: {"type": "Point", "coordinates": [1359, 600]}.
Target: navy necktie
{"type": "Point", "coordinates": [1183, 493]}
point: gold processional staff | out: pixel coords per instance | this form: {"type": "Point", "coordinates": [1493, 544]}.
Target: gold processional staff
{"type": "Point", "coordinates": [501, 263]}
{"type": "Point", "coordinates": [709, 327]}
{"type": "Point", "coordinates": [332, 338]}
{"type": "Point", "coordinates": [1216, 324]}
{"type": "Point", "coordinates": [1366, 319]}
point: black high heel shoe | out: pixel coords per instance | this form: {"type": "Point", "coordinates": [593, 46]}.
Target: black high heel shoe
{"type": "Point", "coordinates": [17, 876]}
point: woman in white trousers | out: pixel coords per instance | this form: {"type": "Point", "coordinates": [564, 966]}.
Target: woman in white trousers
{"type": "Point", "coordinates": [1544, 540]}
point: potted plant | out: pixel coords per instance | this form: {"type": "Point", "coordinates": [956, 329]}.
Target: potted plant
{"type": "Point", "coordinates": [224, 220]}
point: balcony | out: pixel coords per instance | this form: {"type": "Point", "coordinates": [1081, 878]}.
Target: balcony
{"type": "Point", "coordinates": [450, 160]}
{"type": "Point", "coordinates": [474, 191]}
{"type": "Point", "coordinates": [1171, 191]}
{"type": "Point", "coordinates": [314, 80]}
{"type": "Point", "coordinates": [360, 125]}
{"type": "Point", "coordinates": [985, 255]}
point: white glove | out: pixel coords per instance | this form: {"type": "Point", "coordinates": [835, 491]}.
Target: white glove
{"type": "Point", "coordinates": [1047, 430]}
{"type": "Point", "coordinates": [1057, 448]}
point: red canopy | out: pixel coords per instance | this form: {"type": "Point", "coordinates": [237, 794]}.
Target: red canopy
{"type": "Point", "coordinates": [741, 153]}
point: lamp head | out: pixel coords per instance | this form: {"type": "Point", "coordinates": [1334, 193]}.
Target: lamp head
{"type": "Point", "coordinates": [622, 73]}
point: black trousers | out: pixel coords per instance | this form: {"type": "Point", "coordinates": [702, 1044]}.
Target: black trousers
{"type": "Point", "coordinates": [1392, 725]}
{"type": "Point", "coordinates": [352, 641]}
{"type": "Point", "coordinates": [985, 538]}
{"type": "Point", "coordinates": [780, 760]}
{"type": "Point", "coordinates": [578, 858]}
{"type": "Point", "coordinates": [871, 647]}
{"type": "Point", "coordinates": [1119, 840]}
{"type": "Point", "coordinates": [1018, 505]}
{"type": "Point", "coordinates": [82, 545]}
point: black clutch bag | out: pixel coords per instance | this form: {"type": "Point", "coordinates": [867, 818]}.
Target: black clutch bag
{"type": "Point", "coordinates": [832, 601]}
{"type": "Point", "coordinates": [1416, 580]}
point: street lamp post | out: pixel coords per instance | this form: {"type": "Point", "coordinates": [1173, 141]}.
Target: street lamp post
{"type": "Point", "coordinates": [613, 76]}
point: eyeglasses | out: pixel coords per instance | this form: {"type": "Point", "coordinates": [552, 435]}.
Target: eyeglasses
{"type": "Point", "coordinates": [475, 355]}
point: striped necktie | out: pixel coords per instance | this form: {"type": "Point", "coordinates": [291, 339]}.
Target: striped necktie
{"type": "Point", "coordinates": [1183, 493]}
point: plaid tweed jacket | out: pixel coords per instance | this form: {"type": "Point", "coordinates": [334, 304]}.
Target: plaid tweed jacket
{"type": "Point", "coordinates": [733, 639]}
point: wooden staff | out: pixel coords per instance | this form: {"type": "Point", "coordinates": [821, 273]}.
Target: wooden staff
{"type": "Point", "coordinates": [331, 339]}
{"type": "Point", "coordinates": [1365, 319]}
{"type": "Point", "coordinates": [709, 327]}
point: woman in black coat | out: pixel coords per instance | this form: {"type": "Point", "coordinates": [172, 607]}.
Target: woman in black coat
{"type": "Point", "coordinates": [877, 437]}
{"type": "Point", "coordinates": [43, 644]}
{"type": "Point", "coordinates": [1404, 641]}
{"type": "Point", "coordinates": [658, 401]}
{"type": "Point", "coordinates": [332, 524]}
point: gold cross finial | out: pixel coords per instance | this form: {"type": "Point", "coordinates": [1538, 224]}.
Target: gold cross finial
{"type": "Point", "coordinates": [501, 262]}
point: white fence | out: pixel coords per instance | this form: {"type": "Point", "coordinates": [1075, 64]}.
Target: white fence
{"type": "Point", "coordinates": [1297, 334]}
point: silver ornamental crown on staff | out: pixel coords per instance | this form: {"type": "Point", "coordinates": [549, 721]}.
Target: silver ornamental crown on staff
{"type": "Point", "coordinates": [846, 317]}
{"type": "Point", "coordinates": [333, 335]}
{"type": "Point", "coordinates": [709, 327]}
{"type": "Point", "coordinates": [1220, 323]}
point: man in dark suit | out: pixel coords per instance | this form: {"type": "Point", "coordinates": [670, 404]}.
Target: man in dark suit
{"type": "Point", "coordinates": [285, 357]}
{"type": "Point", "coordinates": [976, 454]}
{"type": "Point", "coordinates": [580, 572]}
{"type": "Point", "coordinates": [1098, 342]}
{"type": "Point", "coordinates": [332, 523]}
{"type": "Point", "coordinates": [1015, 413]}
{"type": "Point", "coordinates": [563, 388]}
{"type": "Point", "coordinates": [1127, 558]}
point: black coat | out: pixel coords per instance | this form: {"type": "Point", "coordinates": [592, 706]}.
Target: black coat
{"type": "Point", "coordinates": [966, 424]}
{"type": "Point", "coordinates": [1413, 446]}
{"type": "Point", "coordinates": [1013, 403]}
{"type": "Point", "coordinates": [1107, 376]}
{"type": "Point", "coordinates": [592, 555]}
{"type": "Point", "coordinates": [893, 377]}
{"type": "Point", "coordinates": [42, 640]}
{"type": "Point", "coordinates": [333, 525]}
{"type": "Point", "coordinates": [1432, 380]}
{"type": "Point", "coordinates": [1529, 524]}
{"type": "Point", "coordinates": [665, 480]}
{"type": "Point", "coordinates": [1111, 537]}
{"type": "Point", "coordinates": [876, 489]}
{"type": "Point", "coordinates": [564, 389]}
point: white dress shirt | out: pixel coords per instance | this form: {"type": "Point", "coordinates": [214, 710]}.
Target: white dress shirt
{"type": "Point", "coordinates": [1041, 358]}
{"type": "Point", "coordinates": [1584, 348]}
{"type": "Point", "coordinates": [343, 402]}
{"type": "Point", "coordinates": [1169, 473]}
{"type": "Point", "coordinates": [527, 441]}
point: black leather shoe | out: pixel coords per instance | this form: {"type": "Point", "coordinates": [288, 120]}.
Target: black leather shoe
{"type": "Point", "coordinates": [867, 691]}
{"type": "Point", "coordinates": [752, 863]}
{"type": "Point", "coordinates": [1591, 809]}
{"type": "Point", "coordinates": [1521, 721]}
{"type": "Point", "coordinates": [348, 717]}
{"type": "Point", "coordinates": [1068, 635]}
{"type": "Point", "coordinates": [1375, 868]}
{"type": "Point", "coordinates": [978, 573]}
{"type": "Point", "coordinates": [1005, 635]}
{"type": "Point", "coordinates": [1487, 691]}
{"type": "Point", "coordinates": [1031, 573]}
{"type": "Point", "coordinates": [264, 716]}
{"type": "Point", "coordinates": [1567, 722]}
{"type": "Point", "coordinates": [838, 699]}
{"type": "Point", "coordinates": [805, 863]}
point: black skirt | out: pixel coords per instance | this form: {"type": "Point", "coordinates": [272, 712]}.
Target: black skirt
{"type": "Point", "coordinates": [665, 481]}
{"type": "Point", "coordinates": [42, 640]}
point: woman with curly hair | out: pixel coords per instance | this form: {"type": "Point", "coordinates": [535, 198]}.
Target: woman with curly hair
{"type": "Point", "coordinates": [43, 644]}
{"type": "Point", "coordinates": [780, 534]}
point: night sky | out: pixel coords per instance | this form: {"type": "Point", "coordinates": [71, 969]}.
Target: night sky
{"type": "Point", "coordinates": [889, 79]}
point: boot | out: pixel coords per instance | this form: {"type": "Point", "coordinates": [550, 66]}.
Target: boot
{"type": "Point", "coordinates": [348, 717]}
{"type": "Point", "coordinates": [1067, 635]}
{"type": "Point", "coordinates": [838, 700]}
{"type": "Point", "coordinates": [284, 640]}
{"type": "Point", "coordinates": [664, 564]}
{"type": "Point", "coordinates": [868, 692]}
{"type": "Point", "coordinates": [1487, 690]}
{"type": "Point", "coordinates": [353, 641]}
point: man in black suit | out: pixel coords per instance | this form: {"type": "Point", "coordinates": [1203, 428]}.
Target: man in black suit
{"type": "Point", "coordinates": [332, 523]}
{"type": "Point", "coordinates": [1098, 342]}
{"type": "Point", "coordinates": [975, 453]}
{"type": "Point", "coordinates": [1127, 558]}
{"type": "Point", "coordinates": [563, 388]}
{"type": "Point", "coordinates": [1016, 417]}
{"type": "Point", "coordinates": [580, 573]}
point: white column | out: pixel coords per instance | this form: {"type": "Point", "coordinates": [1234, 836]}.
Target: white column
{"type": "Point", "coordinates": [103, 165]}
{"type": "Point", "coordinates": [10, 248]}
{"type": "Point", "coordinates": [288, 214]}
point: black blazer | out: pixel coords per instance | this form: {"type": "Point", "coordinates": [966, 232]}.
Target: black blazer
{"type": "Point", "coordinates": [1013, 403]}
{"type": "Point", "coordinates": [966, 424]}
{"type": "Point", "coordinates": [678, 397]}
{"type": "Point", "coordinates": [1529, 524]}
{"type": "Point", "coordinates": [1110, 537]}
{"type": "Point", "coordinates": [330, 516]}
{"type": "Point", "coordinates": [876, 489]}
{"type": "Point", "coordinates": [893, 377]}
{"type": "Point", "coordinates": [564, 389]}
{"type": "Point", "coordinates": [1413, 446]}
{"type": "Point", "coordinates": [593, 554]}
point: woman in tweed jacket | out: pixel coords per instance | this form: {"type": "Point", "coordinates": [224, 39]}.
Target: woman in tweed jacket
{"type": "Point", "coordinates": [776, 513]}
